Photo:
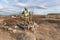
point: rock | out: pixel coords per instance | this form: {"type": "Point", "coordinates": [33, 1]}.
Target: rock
{"type": "Point", "coordinates": [26, 36]}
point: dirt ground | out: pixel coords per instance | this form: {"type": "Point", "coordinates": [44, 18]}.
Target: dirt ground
{"type": "Point", "coordinates": [47, 30]}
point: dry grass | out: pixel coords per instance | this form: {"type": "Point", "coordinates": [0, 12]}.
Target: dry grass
{"type": "Point", "coordinates": [49, 27]}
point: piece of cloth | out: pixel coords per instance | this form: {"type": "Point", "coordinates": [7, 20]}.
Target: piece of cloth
{"type": "Point", "coordinates": [26, 13]}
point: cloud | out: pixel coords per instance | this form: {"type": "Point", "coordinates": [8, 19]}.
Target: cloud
{"type": "Point", "coordinates": [55, 9]}
{"type": "Point", "coordinates": [1, 6]}
{"type": "Point", "coordinates": [13, 6]}
{"type": "Point", "coordinates": [21, 5]}
{"type": "Point", "coordinates": [6, 1]}
{"type": "Point", "coordinates": [9, 11]}
{"type": "Point", "coordinates": [35, 0]}
{"type": "Point", "coordinates": [30, 5]}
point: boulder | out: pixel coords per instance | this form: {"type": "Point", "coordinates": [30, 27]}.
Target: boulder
{"type": "Point", "coordinates": [26, 36]}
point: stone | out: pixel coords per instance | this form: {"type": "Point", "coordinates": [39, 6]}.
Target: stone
{"type": "Point", "coordinates": [26, 36]}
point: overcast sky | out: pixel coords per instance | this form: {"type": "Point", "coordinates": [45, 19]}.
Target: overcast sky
{"type": "Point", "coordinates": [14, 6]}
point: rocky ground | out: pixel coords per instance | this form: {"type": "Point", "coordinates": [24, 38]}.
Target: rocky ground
{"type": "Point", "coordinates": [49, 29]}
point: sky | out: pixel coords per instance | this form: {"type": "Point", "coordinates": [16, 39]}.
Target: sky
{"type": "Point", "coordinates": [42, 7]}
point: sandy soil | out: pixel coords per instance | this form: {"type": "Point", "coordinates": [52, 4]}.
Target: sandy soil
{"type": "Point", "coordinates": [48, 29]}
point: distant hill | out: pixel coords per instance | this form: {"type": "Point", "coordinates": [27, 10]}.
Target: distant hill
{"type": "Point", "coordinates": [53, 13]}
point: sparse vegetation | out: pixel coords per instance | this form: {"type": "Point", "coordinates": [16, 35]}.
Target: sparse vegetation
{"type": "Point", "coordinates": [49, 28]}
